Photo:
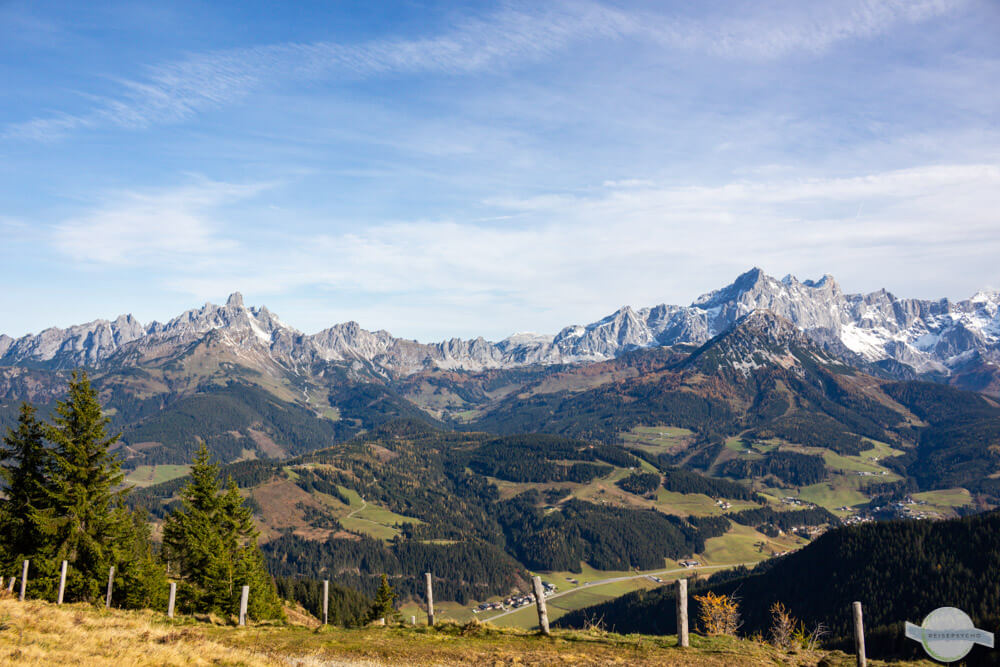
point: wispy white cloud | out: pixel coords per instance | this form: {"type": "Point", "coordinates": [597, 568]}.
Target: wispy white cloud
{"type": "Point", "coordinates": [169, 230]}
{"type": "Point", "coordinates": [516, 34]}
{"type": "Point", "coordinates": [629, 183]}
{"type": "Point", "coordinates": [798, 27]}
{"type": "Point", "coordinates": [571, 258]}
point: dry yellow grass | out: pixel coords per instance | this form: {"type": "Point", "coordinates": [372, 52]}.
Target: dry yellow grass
{"type": "Point", "coordinates": [40, 633]}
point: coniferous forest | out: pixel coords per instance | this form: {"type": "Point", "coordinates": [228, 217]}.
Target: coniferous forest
{"type": "Point", "coordinates": [65, 501]}
{"type": "Point", "coordinates": [899, 571]}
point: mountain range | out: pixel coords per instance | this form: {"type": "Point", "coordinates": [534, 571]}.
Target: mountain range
{"type": "Point", "coordinates": [775, 370]}
{"type": "Point", "coordinates": [957, 342]}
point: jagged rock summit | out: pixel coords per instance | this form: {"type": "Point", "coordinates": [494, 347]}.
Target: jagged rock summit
{"type": "Point", "coordinates": [922, 337]}
{"type": "Point", "coordinates": [758, 339]}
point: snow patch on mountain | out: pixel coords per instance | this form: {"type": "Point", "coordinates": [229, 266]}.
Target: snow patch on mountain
{"type": "Point", "coordinates": [930, 336]}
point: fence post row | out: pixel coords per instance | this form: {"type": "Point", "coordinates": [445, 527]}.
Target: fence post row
{"type": "Point", "coordinates": [171, 600]}
{"type": "Point", "coordinates": [543, 614]}
{"type": "Point", "coordinates": [682, 613]}
{"type": "Point", "coordinates": [62, 582]}
{"type": "Point", "coordinates": [430, 600]}
{"type": "Point", "coordinates": [326, 601]}
{"type": "Point", "coordinates": [243, 605]}
{"type": "Point", "coordinates": [859, 635]}
{"type": "Point", "coordinates": [24, 579]}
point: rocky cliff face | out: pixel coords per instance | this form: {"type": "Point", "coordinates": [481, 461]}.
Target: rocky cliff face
{"type": "Point", "coordinates": [757, 340]}
{"type": "Point", "coordinates": [938, 337]}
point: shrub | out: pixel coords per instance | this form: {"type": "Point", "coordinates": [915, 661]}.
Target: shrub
{"type": "Point", "coordinates": [719, 614]}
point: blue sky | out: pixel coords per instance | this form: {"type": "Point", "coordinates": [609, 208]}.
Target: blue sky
{"type": "Point", "coordinates": [461, 169]}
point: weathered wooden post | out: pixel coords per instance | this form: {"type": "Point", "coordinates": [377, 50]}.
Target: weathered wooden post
{"type": "Point", "coordinates": [859, 635]}
{"type": "Point", "coordinates": [430, 600]}
{"type": "Point", "coordinates": [413, 620]}
{"type": "Point", "coordinates": [172, 599]}
{"type": "Point", "coordinates": [24, 579]}
{"type": "Point", "coordinates": [10, 588]}
{"type": "Point", "coordinates": [543, 614]}
{"type": "Point", "coordinates": [326, 601]}
{"type": "Point", "coordinates": [244, 597]}
{"type": "Point", "coordinates": [682, 613]}
{"type": "Point", "coordinates": [62, 582]}
{"type": "Point", "coordinates": [111, 582]}
{"type": "Point", "coordinates": [381, 621]}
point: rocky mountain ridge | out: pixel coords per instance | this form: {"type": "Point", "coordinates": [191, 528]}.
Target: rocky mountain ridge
{"type": "Point", "coordinates": [936, 338]}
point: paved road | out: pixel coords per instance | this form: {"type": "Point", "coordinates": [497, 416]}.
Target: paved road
{"type": "Point", "coordinates": [592, 584]}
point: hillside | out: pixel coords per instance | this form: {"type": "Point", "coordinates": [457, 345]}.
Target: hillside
{"type": "Point", "coordinates": [38, 633]}
{"type": "Point", "coordinates": [898, 570]}
{"type": "Point", "coordinates": [475, 508]}
{"type": "Point", "coordinates": [762, 395]}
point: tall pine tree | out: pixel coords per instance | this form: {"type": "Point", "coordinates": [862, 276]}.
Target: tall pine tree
{"type": "Point", "coordinates": [25, 463]}
{"type": "Point", "coordinates": [85, 516]}
{"type": "Point", "coordinates": [211, 543]}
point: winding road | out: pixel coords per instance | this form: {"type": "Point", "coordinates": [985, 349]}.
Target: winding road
{"type": "Point", "coordinates": [592, 584]}
{"type": "Point", "coordinates": [353, 512]}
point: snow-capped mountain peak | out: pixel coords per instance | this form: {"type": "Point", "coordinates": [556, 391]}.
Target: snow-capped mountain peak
{"type": "Point", "coordinates": [928, 336]}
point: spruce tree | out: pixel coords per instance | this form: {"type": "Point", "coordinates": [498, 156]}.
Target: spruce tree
{"type": "Point", "coordinates": [140, 576]}
{"type": "Point", "coordinates": [211, 542]}
{"type": "Point", "coordinates": [84, 518]}
{"type": "Point", "coordinates": [384, 605]}
{"type": "Point", "coordinates": [25, 462]}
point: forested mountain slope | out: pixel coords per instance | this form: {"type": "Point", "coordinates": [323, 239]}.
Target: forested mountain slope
{"type": "Point", "coordinates": [899, 571]}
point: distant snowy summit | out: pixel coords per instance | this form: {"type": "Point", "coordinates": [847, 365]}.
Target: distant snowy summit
{"type": "Point", "coordinates": [900, 335]}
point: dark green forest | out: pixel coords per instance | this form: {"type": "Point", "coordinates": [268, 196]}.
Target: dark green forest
{"type": "Point", "coordinates": [789, 467]}
{"type": "Point", "coordinates": [899, 571]}
{"type": "Point", "coordinates": [463, 571]}
{"type": "Point", "coordinates": [220, 417]}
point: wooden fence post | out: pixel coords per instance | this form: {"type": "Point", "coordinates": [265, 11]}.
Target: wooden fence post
{"type": "Point", "coordinates": [243, 605]}
{"type": "Point", "coordinates": [62, 582]}
{"type": "Point", "coordinates": [413, 620]}
{"type": "Point", "coordinates": [543, 614]}
{"type": "Point", "coordinates": [430, 600]}
{"type": "Point", "coordinates": [13, 580]}
{"type": "Point", "coordinates": [172, 599]}
{"type": "Point", "coordinates": [24, 579]}
{"type": "Point", "coordinates": [859, 635]}
{"type": "Point", "coordinates": [326, 601]}
{"type": "Point", "coordinates": [111, 582]}
{"type": "Point", "coordinates": [682, 613]}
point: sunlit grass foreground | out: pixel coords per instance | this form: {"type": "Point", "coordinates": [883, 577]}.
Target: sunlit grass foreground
{"type": "Point", "coordinates": [39, 633]}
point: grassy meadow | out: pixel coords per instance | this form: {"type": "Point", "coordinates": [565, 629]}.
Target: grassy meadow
{"type": "Point", "coordinates": [38, 633]}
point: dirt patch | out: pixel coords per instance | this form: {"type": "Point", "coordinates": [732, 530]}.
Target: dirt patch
{"type": "Point", "coordinates": [383, 454]}
{"type": "Point", "coordinates": [266, 444]}
{"type": "Point", "coordinates": [344, 535]}
{"type": "Point", "coordinates": [280, 500]}
{"type": "Point", "coordinates": [314, 534]}
{"type": "Point", "coordinates": [141, 446]}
